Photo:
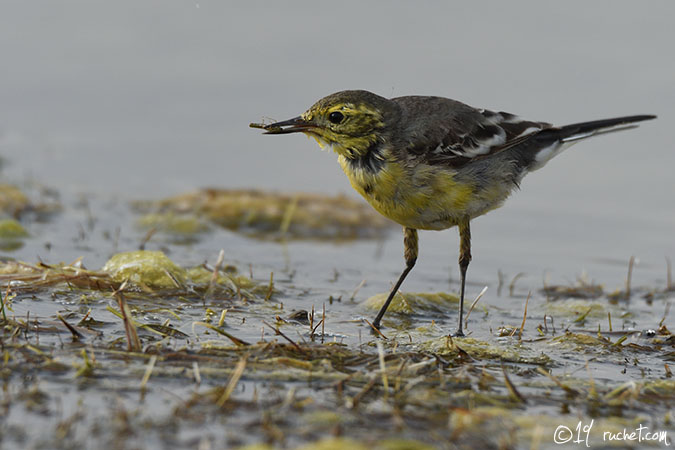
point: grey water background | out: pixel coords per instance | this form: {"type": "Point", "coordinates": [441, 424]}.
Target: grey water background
{"type": "Point", "coordinates": [117, 101]}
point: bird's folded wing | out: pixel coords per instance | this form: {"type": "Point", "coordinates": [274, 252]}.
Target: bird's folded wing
{"type": "Point", "coordinates": [488, 132]}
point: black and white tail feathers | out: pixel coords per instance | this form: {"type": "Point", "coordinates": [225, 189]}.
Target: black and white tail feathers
{"type": "Point", "coordinates": [577, 131]}
{"type": "Point", "coordinates": [559, 138]}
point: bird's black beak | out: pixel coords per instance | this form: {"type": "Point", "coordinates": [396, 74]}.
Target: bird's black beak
{"type": "Point", "coordinates": [293, 125]}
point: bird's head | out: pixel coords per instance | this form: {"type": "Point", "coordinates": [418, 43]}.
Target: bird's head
{"type": "Point", "coordinates": [348, 121]}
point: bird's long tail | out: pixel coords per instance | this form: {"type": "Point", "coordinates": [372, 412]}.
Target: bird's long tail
{"type": "Point", "coordinates": [583, 130]}
{"type": "Point", "coordinates": [554, 140]}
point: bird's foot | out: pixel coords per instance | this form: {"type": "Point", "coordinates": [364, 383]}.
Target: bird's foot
{"type": "Point", "coordinates": [458, 333]}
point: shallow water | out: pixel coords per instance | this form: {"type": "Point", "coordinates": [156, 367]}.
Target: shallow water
{"type": "Point", "coordinates": [162, 106]}
{"type": "Point", "coordinates": [108, 103]}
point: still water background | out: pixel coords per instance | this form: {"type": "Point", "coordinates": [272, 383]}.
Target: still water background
{"type": "Point", "coordinates": [122, 100]}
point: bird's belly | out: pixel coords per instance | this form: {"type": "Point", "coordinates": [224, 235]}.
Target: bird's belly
{"type": "Point", "coordinates": [421, 198]}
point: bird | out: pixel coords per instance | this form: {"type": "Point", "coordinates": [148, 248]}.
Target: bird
{"type": "Point", "coordinates": [432, 163]}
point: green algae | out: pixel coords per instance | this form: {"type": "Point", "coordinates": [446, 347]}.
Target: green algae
{"type": "Point", "coordinates": [579, 341]}
{"type": "Point", "coordinates": [581, 289]}
{"type": "Point", "coordinates": [10, 229]}
{"type": "Point", "coordinates": [10, 245]}
{"type": "Point", "coordinates": [12, 201]}
{"type": "Point", "coordinates": [665, 388]}
{"type": "Point", "coordinates": [402, 444]}
{"type": "Point", "coordinates": [510, 351]}
{"type": "Point", "coordinates": [413, 302]}
{"type": "Point", "coordinates": [145, 268]}
{"type": "Point", "coordinates": [175, 224]}
{"type": "Point", "coordinates": [229, 278]}
{"type": "Point", "coordinates": [12, 234]}
{"type": "Point", "coordinates": [271, 215]}
{"type": "Point", "coordinates": [335, 444]}
{"type": "Point", "coordinates": [323, 419]}
{"type": "Point", "coordinates": [256, 447]}
{"type": "Point", "coordinates": [152, 272]}
{"type": "Point", "coordinates": [576, 308]}
{"type": "Point", "coordinates": [15, 203]}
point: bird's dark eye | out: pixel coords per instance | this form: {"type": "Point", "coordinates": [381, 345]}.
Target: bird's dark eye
{"type": "Point", "coordinates": [336, 117]}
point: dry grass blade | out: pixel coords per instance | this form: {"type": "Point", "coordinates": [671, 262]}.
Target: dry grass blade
{"type": "Point", "coordinates": [133, 343]}
{"type": "Point", "coordinates": [315, 327]}
{"type": "Point", "coordinates": [4, 299]}
{"type": "Point", "coordinates": [311, 324]}
{"type": "Point", "coordinates": [234, 379]}
{"type": "Point", "coordinates": [357, 289]}
{"type": "Point", "coordinates": [512, 388]}
{"type": "Point", "coordinates": [619, 342]}
{"type": "Point", "coordinates": [566, 388]}
{"type": "Point", "coordinates": [623, 392]}
{"type": "Point", "coordinates": [279, 333]}
{"type": "Point", "coordinates": [221, 320]}
{"type": "Point", "coordinates": [151, 232]}
{"type": "Point", "coordinates": [582, 317]}
{"type": "Point", "coordinates": [197, 374]}
{"type": "Point", "coordinates": [478, 297]}
{"type": "Point", "coordinates": [222, 332]}
{"type": "Point", "coordinates": [270, 290]}
{"type": "Point", "coordinates": [173, 279]}
{"type": "Point", "coordinates": [512, 286]}
{"type": "Point", "coordinates": [500, 282]}
{"type": "Point", "coordinates": [592, 392]}
{"type": "Point", "coordinates": [148, 371]}
{"type": "Point", "coordinates": [35, 277]}
{"type": "Point", "coordinates": [87, 367]}
{"type": "Point", "coordinates": [216, 269]}
{"type": "Point", "coordinates": [357, 398]}
{"type": "Point", "coordinates": [383, 369]}
{"type": "Point", "coordinates": [375, 329]}
{"type": "Point", "coordinates": [76, 334]}
{"type": "Point", "coordinates": [631, 263]}
{"type": "Point", "coordinates": [522, 325]}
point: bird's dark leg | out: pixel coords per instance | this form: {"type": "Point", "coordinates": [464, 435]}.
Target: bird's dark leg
{"type": "Point", "coordinates": [464, 260]}
{"type": "Point", "coordinates": [410, 253]}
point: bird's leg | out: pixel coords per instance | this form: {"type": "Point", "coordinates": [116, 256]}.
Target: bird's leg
{"type": "Point", "coordinates": [464, 260]}
{"type": "Point", "coordinates": [410, 253]}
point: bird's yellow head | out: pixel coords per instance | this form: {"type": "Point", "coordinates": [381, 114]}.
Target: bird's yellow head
{"type": "Point", "coordinates": [348, 121]}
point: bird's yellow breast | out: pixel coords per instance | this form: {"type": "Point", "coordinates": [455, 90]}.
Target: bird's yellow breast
{"type": "Point", "coordinates": [420, 197]}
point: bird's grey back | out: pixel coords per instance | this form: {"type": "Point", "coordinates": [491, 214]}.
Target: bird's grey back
{"type": "Point", "coordinates": [432, 119]}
